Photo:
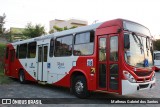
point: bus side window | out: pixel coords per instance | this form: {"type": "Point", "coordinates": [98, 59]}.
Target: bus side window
{"type": "Point", "coordinates": [22, 51]}
{"type": "Point", "coordinates": [51, 48]}
{"type": "Point", "coordinates": [12, 52]}
{"type": "Point", "coordinates": [17, 51]}
{"type": "Point", "coordinates": [63, 46]}
{"type": "Point", "coordinates": [84, 43]}
{"type": "Point", "coordinates": [32, 50]}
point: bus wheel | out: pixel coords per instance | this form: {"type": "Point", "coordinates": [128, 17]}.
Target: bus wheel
{"type": "Point", "coordinates": [22, 77]}
{"type": "Point", "coordinates": [79, 87]}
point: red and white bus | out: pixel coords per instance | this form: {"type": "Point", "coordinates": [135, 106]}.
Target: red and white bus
{"type": "Point", "coordinates": [114, 56]}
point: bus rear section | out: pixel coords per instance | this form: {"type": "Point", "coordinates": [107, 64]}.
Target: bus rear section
{"type": "Point", "coordinates": [9, 65]}
{"type": "Point", "coordinates": [157, 60]}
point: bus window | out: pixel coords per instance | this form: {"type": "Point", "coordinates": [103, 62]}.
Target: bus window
{"type": "Point", "coordinates": [114, 48]}
{"type": "Point", "coordinates": [22, 50]}
{"type": "Point", "coordinates": [45, 53]}
{"type": "Point", "coordinates": [32, 50]}
{"type": "Point", "coordinates": [102, 49]}
{"type": "Point", "coordinates": [17, 51]}
{"type": "Point", "coordinates": [84, 43]}
{"type": "Point", "coordinates": [12, 52]}
{"type": "Point", "coordinates": [51, 48]}
{"type": "Point", "coordinates": [63, 46]}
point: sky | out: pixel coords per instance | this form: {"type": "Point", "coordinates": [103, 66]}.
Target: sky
{"type": "Point", "coordinates": [20, 12]}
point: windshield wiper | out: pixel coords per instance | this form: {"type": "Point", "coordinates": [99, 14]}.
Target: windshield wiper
{"type": "Point", "coordinates": [139, 42]}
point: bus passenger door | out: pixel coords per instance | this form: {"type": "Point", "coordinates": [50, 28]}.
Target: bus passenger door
{"type": "Point", "coordinates": [113, 75]}
{"type": "Point", "coordinates": [42, 62]}
{"type": "Point", "coordinates": [108, 63]}
{"type": "Point", "coordinates": [102, 63]}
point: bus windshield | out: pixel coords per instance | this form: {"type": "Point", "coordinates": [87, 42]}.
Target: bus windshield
{"type": "Point", "coordinates": [137, 50]}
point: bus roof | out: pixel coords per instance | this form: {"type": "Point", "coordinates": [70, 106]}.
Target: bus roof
{"type": "Point", "coordinates": [117, 22]}
{"type": "Point", "coordinates": [62, 33]}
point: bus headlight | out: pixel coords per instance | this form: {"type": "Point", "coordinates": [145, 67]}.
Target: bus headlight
{"type": "Point", "coordinates": [129, 76]}
{"type": "Point", "coordinates": [153, 77]}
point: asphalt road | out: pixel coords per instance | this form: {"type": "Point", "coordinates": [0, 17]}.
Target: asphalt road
{"type": "Point", "coordinates": [33, 90]}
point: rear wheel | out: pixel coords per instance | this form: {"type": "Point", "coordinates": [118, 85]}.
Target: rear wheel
{"type": "Point", "coordinates": [22, 77]}
{"type": "Point", "coordinates": [79, 87]}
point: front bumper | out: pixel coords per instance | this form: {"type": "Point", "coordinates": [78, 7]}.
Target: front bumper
{"type": "Point", "coordinates": [129, 88]}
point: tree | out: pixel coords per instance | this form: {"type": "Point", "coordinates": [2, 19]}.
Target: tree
{"type": "Point", "coordinates": [156, 44]}
{"type": "Point", "coordinates": [32, 31]}
{"type": "Point", "coordinates": [2, 22]}
{"type": "Point", "coordinates": [51, 31]}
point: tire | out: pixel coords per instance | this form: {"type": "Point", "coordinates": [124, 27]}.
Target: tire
{"type": "Point", "coordinates": [79, 87]}
{"type": "Point", "coordinates": [22, 77]}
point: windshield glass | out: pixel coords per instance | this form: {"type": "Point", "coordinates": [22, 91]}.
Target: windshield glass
{"type": "Point", "coordinates": [134, 27]}
{"type": "Point", "coordinates": [139, 50]}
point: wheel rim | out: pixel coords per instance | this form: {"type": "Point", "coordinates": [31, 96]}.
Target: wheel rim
{"type": "Point", "coordinates": [21, 77]}
{"type": "Point", "coordinates": [79, 87]}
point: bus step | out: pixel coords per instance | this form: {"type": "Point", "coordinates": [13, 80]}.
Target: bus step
{"type": "Point", "coordinates": [42, 82]}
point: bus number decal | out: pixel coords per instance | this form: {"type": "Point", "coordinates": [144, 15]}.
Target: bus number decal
{"type": "Point", "coordinates": [89, 62]}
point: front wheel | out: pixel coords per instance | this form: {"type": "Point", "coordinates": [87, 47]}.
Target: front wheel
{"type": "Point", "coordinates": [79, 87]}
{"type": "Point", "coordinates": [22, 77]}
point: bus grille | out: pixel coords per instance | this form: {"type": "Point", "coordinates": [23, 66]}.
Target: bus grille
{"type": "Point", "coordinates": [143, 74]}
{"type": "Point", "coordinates": [143, 86]}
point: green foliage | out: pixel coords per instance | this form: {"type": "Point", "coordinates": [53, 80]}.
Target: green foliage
{"type": "Point", "coordinates": [2, 22]}
{"type": "Point", "coordinates": [34, 31]}
{"type": "Point", "coordinates": [4, 79]}
{"type": "Point", "coordinates": [156, 44]}
{"type": "Point", "coordinates": [58, 29]}
{"type": "Point", "coordinates": [51, 31]}
{"type": "Point", "coordinates": [2, 51]}
{"type": "Point", "coordinates": [73, 27]}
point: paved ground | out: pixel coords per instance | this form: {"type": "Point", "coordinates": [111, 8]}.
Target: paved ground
{"type": "Point", "coordinates": [33, 90]}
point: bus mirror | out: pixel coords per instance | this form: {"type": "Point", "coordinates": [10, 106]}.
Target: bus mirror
{"type": "Point", "coordinates": [126, 41]}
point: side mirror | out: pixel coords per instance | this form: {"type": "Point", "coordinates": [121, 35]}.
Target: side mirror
{"type": "Point", "coordinates": [126, 41]}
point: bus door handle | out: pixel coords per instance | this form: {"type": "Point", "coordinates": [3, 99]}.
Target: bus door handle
{"type": "Point", "coordinates": [114, 78]}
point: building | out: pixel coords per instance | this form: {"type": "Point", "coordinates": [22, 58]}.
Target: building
{"type": "Point", "coordinates": [67, 23]}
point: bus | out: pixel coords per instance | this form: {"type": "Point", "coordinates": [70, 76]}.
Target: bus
{"type": "Point", "coordinates": [111, 57]}
{"type": "Point", "coordinates": [156, 60]}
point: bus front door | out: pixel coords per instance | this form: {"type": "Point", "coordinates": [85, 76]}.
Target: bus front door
{"type": "Point", "coordinates": [42, 62]}
{"type": "Point", "coordinates": [108, 78]}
